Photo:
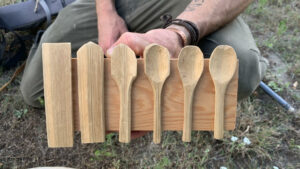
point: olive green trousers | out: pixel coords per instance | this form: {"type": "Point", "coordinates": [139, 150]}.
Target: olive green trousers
{"type": "Point", "coordinates": [77, 23]}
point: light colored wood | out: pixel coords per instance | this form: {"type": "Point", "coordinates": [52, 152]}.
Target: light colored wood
{"type": "Point", "coordinates": [157, 69]}
{"type": "Point", "coordinates": [190, 66]}
{"type": "Point", "coordinates": [172, 101]}
{"type": "Point", "coordinates": [222, 67]}
{"type": "Point", "coordinates": [58, 94]}
{"type": "Point", "coordinates": [90, 65]}
{"type": "Point", "coordinates": [124, 71]}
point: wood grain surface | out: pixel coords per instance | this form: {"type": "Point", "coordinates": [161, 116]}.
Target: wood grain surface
{"type": "Point", "coordinates": [90, 65]}
{"type": "Point", "coordinates": [190, 67]}
{"type": "Point", "coordinates": [123, 72]}
{"type": "Point", "coordinates": [172, 101]}
{"type": "Point", "coordinates": [58, 94]}
{"type": "Point", "coordinates": [222, 67]}
{"type": "Point", "coordinates": [157, 69]}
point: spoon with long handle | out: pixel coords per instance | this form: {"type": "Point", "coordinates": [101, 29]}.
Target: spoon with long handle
{"type": "Point", "coordinates": [190, 66]}
{"type": "Point", "coordinates": [124, 71]}
{"type": "Point", "coordinates": [222, 67]}
{"type": "Point", "coordinates": [157, 69]}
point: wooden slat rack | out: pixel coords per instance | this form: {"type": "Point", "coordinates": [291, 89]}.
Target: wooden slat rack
{"type": "Point", "coordinates": [141, 99]}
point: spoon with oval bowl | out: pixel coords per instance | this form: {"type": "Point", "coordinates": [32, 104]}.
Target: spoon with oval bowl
{"type": "Point", "coordinates": [190, 66]}
{"type": "Point", "coordinates": [222, 67]}
{"type": "Point", "coordinates": [157, 69]}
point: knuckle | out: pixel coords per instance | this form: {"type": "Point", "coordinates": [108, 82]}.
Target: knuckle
{"type": "Point", "coordinates": [126, 37]}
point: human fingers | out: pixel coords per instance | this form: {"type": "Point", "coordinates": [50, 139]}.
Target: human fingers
{"type": "Point", "coordinates": [136, 41]}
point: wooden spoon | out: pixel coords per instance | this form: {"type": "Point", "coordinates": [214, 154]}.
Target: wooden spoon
{"type": "Point", "coordinates": [157, 69]}
{"type": "Point", "coordinates": [222, 67]}
{"type": "Point", "coordinates": [124, 71]}
{"type": "Point", "coordinates": [190, 66]}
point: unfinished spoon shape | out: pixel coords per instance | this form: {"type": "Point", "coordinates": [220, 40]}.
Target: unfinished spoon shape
{"type": "Point", "coordinates": [90, 66]}
{"type": "Point", "coordinates": [124, 71]}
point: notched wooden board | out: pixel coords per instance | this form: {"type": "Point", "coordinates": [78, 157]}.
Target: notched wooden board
{"type": "Point", "coordinates": [172, 101]}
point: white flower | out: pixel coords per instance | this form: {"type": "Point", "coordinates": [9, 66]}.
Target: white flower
{"type": "Point", "coordinates": [246, 141]}
{"type": "Point", "coordinates": [234, 139]}
{"type": "Point", "coordinates": [275, 167]}
{"type": "Point", "coordinates": [222, 167]}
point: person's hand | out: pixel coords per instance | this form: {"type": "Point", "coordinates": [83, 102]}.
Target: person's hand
{"type": "Point", "coordinates": [110, 27]}
{"type": "Point", "coordinates": [138, 41]}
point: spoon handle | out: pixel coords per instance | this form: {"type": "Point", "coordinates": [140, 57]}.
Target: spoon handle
{"type": "Point", "coordinates": [187, 122]}
{"type": "Point", "coordinates": [157, 87]}
{"type": "Point", "coordinates": [220, 90]}
{"type": "Point", "coordinates": [125, 113]}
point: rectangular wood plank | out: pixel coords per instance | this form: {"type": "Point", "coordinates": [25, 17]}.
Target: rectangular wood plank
{"type": "Point", "coordinates": [58, 94]}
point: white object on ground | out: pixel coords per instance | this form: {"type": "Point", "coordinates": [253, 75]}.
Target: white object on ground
{"type": "Point", "coordinates": [246, 141]}
{"type": "Point", "coordinates": [234, 139]}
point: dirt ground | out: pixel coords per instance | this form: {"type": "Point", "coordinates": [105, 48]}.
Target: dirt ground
{"type": "Point", "coordinates": [266, 135]}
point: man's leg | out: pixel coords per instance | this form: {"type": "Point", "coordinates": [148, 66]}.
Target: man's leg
{"type": "Point", "coordinates": [252, 65]}
{"type": "Point", "coordinates": [77, 24]}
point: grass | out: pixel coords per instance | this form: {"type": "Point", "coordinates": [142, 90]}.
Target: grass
{"type": "Point", "coordinates": [280, 30]}
{"type": "Point", "coordinates": [7, 2]}
{"type": "Point", "coordinates": [272, 131]}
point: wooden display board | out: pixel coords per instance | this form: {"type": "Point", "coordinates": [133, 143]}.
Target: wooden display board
{"type": "Point", "coordinates": [142, 99]}
{"type": "Point", "coordinates": [172, 101]}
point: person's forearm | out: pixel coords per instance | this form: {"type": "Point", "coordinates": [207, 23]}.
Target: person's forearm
{"type": "Point", "coordinates": [105, 6]}
{"type": "Point", "coordinates": [209, 15]}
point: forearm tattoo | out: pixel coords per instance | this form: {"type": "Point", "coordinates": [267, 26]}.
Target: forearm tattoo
{"type": "Point", "coordinates": [193, 5]}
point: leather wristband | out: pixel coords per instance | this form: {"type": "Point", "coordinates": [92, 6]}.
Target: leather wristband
{"type": "Point", "coordinates": [190, 27]}
{"type": "Point", "coordinates": [181, 34]}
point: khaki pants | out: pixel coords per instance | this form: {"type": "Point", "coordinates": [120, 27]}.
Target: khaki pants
{"type": "Point", "coordinates": [77, 23]}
